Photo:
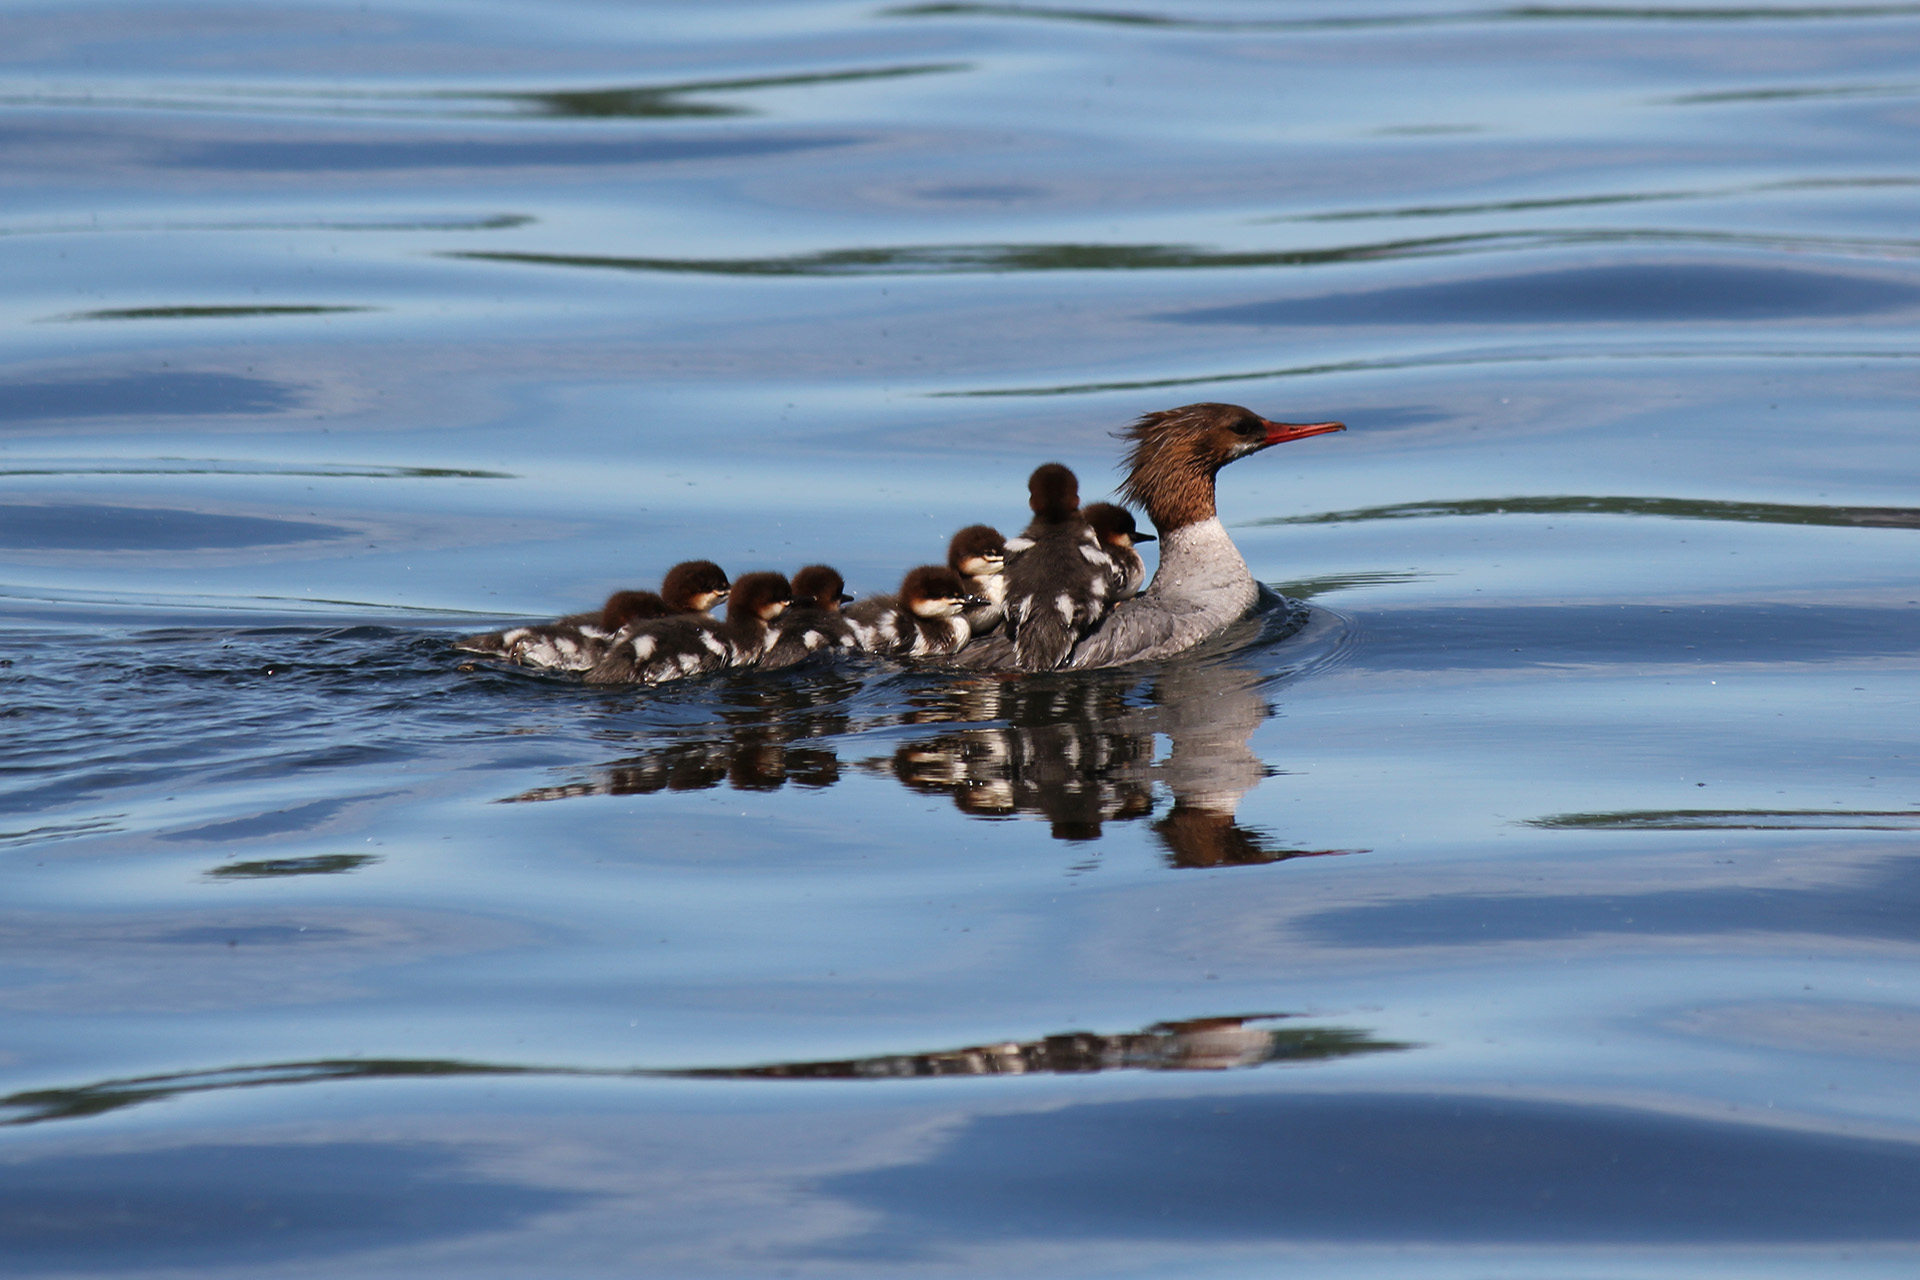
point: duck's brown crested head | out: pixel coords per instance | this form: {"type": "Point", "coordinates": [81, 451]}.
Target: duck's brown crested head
{"type": "Point", "coordinates": [1177, 452]}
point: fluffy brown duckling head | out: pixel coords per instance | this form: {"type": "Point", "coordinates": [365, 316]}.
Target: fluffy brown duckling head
{"type": "Point", "coordinates": [1115, 525]}
{"type": "Point", "coordinates": [820, 587]}
{"type": "Point", "coordinates": [936, 591]}
{"type": "Point", "coordinates": [977, 551]}
{"type": "Point", "coordinates": [1053, 492]}
{"type": "Point", "coordinates": [695, 586]}
{"type": "Point", "coordinates": [760, 596]}
{"type": "Point", "coordinates": [624, 608]}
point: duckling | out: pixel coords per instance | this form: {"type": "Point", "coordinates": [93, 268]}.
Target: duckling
{"type": "Point", "coordinates": [979, 555]}
{"type": "Point", "coordinates": [1118, 533]}
{"type": "Point", "coordinates": [688, 645]}
{"type": "Point", "coordinates": [1062, 584]}
{"type": "Point", "coordinates": [693, 586]}
{"type": "Point", "coordinates": [924, 619]}
{"type": "Point", "coordinates": [577, 641]}
{"type": "Point", "coordinates": [814, 624]}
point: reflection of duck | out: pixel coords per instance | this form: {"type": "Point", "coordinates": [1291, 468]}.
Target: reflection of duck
{"type": "Point", "coordinates": [1196, 1044]}
{"type": "Point", "coordinates": [1202, 583]}
{"type": "Point", "coordinates": [764, 735]}
{"type": "Point", "coordinates": [1062, 755]}
{"type": "Point", "coordinates": [577, 641]}
{"type": "Point", "coordinates": [674, 648]}
{"type": "Point", "coordinates": [1079, 751]}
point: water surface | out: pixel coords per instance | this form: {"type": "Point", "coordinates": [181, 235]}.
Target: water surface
{"type": "Point", "coordinates": [1545, 905]}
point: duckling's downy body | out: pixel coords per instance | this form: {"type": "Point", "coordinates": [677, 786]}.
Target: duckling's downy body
{"type": "Point", "coordinates": [1117, 534]}
{"type": "Point", "coordinates": [690, 645]}
{"type": "Point", "coordinates": [979, 555]}
{"type": "Point", "coordinates": [1063, 580]}
{"type": "Point", "coordinates": [925, 619]}
{"type": "Point", "coordinates": [814, 625]}
{"type": "Point", "coordinates": [579, 640]}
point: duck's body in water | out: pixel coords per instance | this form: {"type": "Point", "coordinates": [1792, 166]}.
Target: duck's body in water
{"type": "Point", "coordinates": [1202, 583]}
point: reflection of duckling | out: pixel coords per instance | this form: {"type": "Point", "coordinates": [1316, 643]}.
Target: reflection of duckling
{"type": "Point", "coordinates": [979, 555]}
{"type": "Point", "coordinates": [1115, 529]}
{"type": "Point", "coordinates": [925, 618]}
{"type": "Point", "coordinates": [814, 624]}
{"type": "Point", "coordinates": [1060, 585]}
{"type": "Point", "coordinates": [768, 734]}
{"type": "Point", "coordinates": [673, 648]}
{"type": "Point", "coordinates": [577, 641]}
{"type": "Point", "coordinates": [1197, 1044]}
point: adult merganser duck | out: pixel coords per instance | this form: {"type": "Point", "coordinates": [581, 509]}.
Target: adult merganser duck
{"type": "Point", "coordinates": [814, 623]}
{"type": "Point", "coordinates": [1118, 533]}
{"type": "Point", "coordinates": [979, 555]}
{"type": "Point", "coordinates": [924, 619]}
{"type": "Point", "coordinates": [577, 641]}
{"type": "Point", "coordinates": [693, 644]}
{"type": "Point", "coordinates": [1202, 584]}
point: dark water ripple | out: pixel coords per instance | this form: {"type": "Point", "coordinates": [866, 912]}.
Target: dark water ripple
{"type": "Point", "coordinates": [1734, 820]}
{"type": "Point", "coordinates": [182, 393]}
{"type": "Point", "coordinates": [1590, 350]}
{"type": "Point", "coordinates": [1661, 508]}
{"type": "Point", "coordinates": [360, 155]}
{"type": "Point", "coordinates": [612, 102]}
{"type": "Point", "coordinates": [1516, 13]}
{"type": "Point", "coordinates": [1201, 1044]}
{"type": "Point", "coordinates": [208, 313]}
{"type": "Point", "coordinates": [1602, 199]}
{"type": "Point", "coordinates": [963, 259]}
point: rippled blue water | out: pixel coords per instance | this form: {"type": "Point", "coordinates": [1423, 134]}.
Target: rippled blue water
{"type": "Point", "coordinates": [1549, 905]}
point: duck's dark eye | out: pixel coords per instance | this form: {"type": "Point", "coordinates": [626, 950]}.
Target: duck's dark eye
{"type": "Point", "coordinates": [1250, 427]}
